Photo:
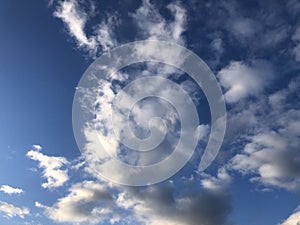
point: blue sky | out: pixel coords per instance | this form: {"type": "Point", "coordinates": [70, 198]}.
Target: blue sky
{"type": "Point", "coordinates": [252, 47]}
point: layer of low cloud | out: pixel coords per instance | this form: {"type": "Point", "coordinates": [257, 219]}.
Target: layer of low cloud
{"type": "Point", "coordinates": [10, 190]}
{"type": "Point", "coordinates": [51, 168]}
{"type": "Point", "coordinates": [11, 210]}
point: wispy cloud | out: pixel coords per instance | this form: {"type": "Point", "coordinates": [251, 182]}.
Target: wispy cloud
{"type": "Point", "coordinates": [11, 210]}
{"type": "Point", "coordinates": [10, 190]}
{"type": "Point", "coordinates": [75, 19]}
{"type": "Point", "coordinates": [51, 167]}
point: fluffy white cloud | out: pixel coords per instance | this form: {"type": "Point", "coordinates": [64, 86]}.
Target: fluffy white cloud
{"type": "Point", "coordinates": [241, 80]}
{"type": "Point", "coordinates": [11, 210]}
{"type": "Point", "coordinates": [293, 219]}
{"type": "Point", "coordinates": [51, 167]}
{"type": "Point", "coordinates": [86, 202]}
{"type": "Point", "coordinates": [10, 190]}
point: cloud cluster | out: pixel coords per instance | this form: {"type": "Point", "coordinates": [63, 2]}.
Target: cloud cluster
{"type": "Point", "coordinates": [268, 125]}
{"type": "Point", "coordinates": [102, 38]}
{"type": "Point", "coordinates": [11, 210]}
{"type": "Point", "coordinates": [51, 167]}
{"type": "Point", "coordinates": [191, 204]}
{"type": "Point", "coordinates": [86, 202]}
{"type": "Point", "coordinates": [272, 153]}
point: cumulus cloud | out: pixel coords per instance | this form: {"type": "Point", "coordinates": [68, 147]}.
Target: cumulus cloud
{"type": "Point", "coordinates": [182, 203]}
{"type": "Point", "coordinates": [242, 80]}
{"type": "Point", "coordinates": [271, 156]}
{"type": "Point", "coordinates": [51, 167]}
{"type": "Point", "coordinates": [10, 190]}
{"type": "Point", "coordinates": [11, 210]}
{"type": "Point", "coordinates": [86, 202]}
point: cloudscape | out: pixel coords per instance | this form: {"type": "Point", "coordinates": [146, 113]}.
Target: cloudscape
{"type": "Point", "coordinates": [150, 112]}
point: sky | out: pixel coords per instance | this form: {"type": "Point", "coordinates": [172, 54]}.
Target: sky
{"type": "Point", "coordinates": [52, 167]}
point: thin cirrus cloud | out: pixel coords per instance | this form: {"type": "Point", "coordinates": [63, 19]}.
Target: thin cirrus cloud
{"type": "Point", "coordinates": [51, 167]}
{"type": "Point", "coordinates": [10, 190]}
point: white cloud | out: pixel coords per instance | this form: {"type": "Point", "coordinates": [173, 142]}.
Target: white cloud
{"type": "Point", "coordinates": [293, 219]}
{"type": "Point", "coordinates": [10, 190]}
{"type": "Point", "coordinates": [215, 183]}
{"type": "Point", "coordinates": [37, 147]}
{"type": "Point", "coordinates": [272, 156]}
{"type": "Point", "coordinates": [241, 80]}
{"type": "Point", "coordinates": [164, 204]}
{"type": "Point", "coordinates": [75, 19]}
{"type": "Point", "coordinates": [153, 26]}
{"type": "Point", "coordinates": [11, 210]}
{"type": "Point", "coordinates": [86, 202]}
{"type": "Point", "coordinates": [51, 167]}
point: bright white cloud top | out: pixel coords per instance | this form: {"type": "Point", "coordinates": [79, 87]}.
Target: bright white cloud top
{"type": "Point", "coordinates": [10, 190]}
{"type": "Point", "coordinates": [51, 168]}
{"type": "Point", "coordinates": [11, 210]}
